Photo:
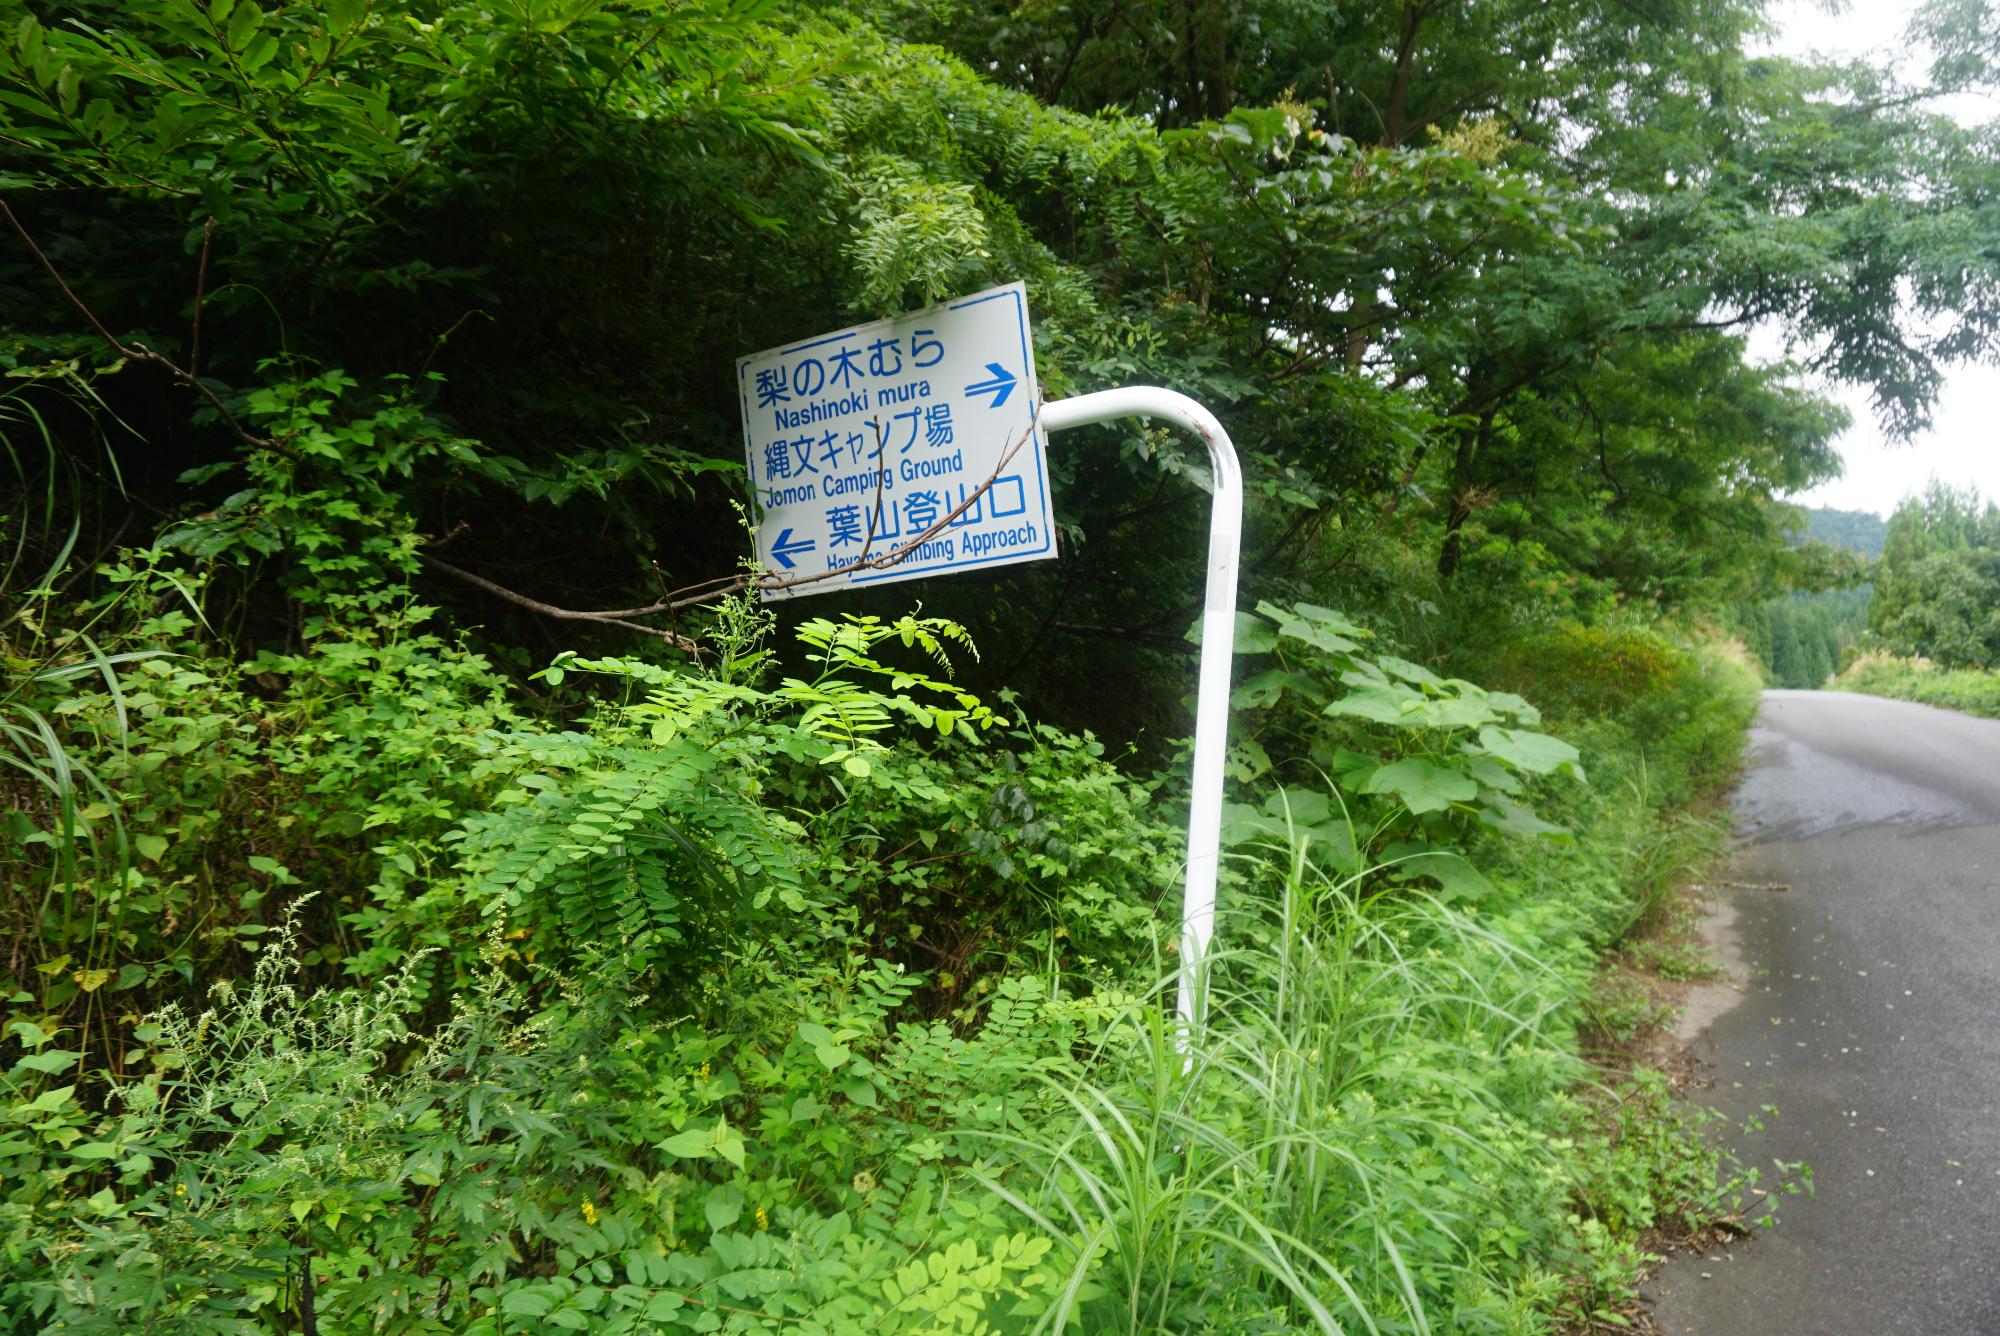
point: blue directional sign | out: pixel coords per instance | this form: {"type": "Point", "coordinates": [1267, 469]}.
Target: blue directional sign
{"type": "Point", "coordinates": [899, 449]}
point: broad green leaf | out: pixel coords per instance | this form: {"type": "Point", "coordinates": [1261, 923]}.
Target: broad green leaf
{"type": "Point", "coordinates": [257, 52]}
{"type": "Point", "coordinates": [1248, 761]}
{"type": "Point", "coordinates": [1319, 627]}
{"type": "Point", "coordinates": [1352, 769]}
{"type": "Point", "coordinates": [1537, 753]}
{"type": "Point", "coordinates": [1509, 703]}
{"type": "Point", "coordinates": [1458, 879]}
{"type": "Point", "coordinates": [50, 1100]}
{"type": "Point", "coordinates": [526, 1303]}
{"type": "Point", "coordinates": [1242, 824]}
{"type": "Point", "coordinates": [724, 1206]}
{"type": "Point", "coordinates": [1455, 712]}
{"type": "Point", "coordinates": [663, 1305]}
{"type": "Point", "coordinates": [243, 22]}
{"type": "Point", "coordinates": [1331, 843]}
{"type": "Point", "coordinates": [54, 1060]}
{"type": "Point", "coordinates": [1493, 775]}
{"type": "Point", "coordinates": [1253, 634]}
{"type": "Point", "coordinates": [1302, 807]}
{"type": "Point", "coordinates": [1329, 620]}
{"type": "Point", "coordinates": [1387, 703]}
{"type": "Point", "coordinates": [1414, 673]}
{"type": "Point", "coordinates": [693, 1144]}
{"type": "Point", "coordinates": [1513, 818]}
{"type": "Point", "coordinates": [1265, 688]}
{"type": "Point", "coordinates": [1422, 785]}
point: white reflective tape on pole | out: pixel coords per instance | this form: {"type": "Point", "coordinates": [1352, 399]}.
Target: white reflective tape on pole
{"type": "Point", "coordinates": [1218, 645]}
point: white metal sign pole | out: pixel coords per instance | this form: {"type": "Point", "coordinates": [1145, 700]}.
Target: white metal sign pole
{"type": "Point", "coordinates": [1218, 647]}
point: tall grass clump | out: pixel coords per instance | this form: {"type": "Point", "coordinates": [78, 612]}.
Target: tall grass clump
{"type": "Point", "coordinates": [1377, 1131]}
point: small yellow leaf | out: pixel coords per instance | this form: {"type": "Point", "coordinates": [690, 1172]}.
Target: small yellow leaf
{"type": "Point", "coordinates": [91, 980]}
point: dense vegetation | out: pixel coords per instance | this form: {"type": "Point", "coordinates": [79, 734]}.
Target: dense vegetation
{"type": "Point", "coordinates": [1937, 588]}
{"type": "Point", "coordinates": [1862, 532]}
{"type": "Point", "coordinates": [1934, 622]}
{"type": "Point", "coordinates": [439, 897]}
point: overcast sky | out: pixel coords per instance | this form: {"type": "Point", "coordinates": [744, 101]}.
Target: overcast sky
{"type": "Point", "coordinates": [1963, 444]}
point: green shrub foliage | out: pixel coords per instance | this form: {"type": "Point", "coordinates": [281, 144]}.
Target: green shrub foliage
{"type": "Point", "coordinates": [436, 900]}
{"type": "Point", "coordinates": [751, 999]}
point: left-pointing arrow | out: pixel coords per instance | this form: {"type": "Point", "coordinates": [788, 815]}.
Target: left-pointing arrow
{"type": "Point", "coordinates": [786, 545]}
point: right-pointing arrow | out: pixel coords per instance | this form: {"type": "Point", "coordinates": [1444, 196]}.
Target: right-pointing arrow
{"type": "Point", "coordinates": [999, 387]}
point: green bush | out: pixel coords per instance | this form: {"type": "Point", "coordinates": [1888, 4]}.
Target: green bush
{"type": "Point", "coordinates": [827, 1000]}
{"type": "Point", "coordinates": [1584, 672]}
{"type": "Point", "coordinates": [1680, 710]}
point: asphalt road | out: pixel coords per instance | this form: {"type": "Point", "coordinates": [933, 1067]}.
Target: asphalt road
{"type": "Point", "coordinates": [1866, 1007]}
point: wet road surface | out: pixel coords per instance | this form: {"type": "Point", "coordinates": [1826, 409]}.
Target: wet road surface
{"type": "Point", "coordinates": [1865, 1005]}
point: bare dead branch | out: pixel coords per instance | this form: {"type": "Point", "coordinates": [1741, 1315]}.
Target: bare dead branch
{"type": "Point", "coordinates": [678, 641]}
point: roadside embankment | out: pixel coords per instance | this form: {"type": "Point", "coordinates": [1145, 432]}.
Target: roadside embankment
{"type": "Point", "coordinates": [1967, 690]}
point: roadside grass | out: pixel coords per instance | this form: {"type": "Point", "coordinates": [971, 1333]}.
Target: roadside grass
{"type": "Point", "coordinates": [1409, 1114]}
{"type": "Point", "coordinates": [1967, 690]}
{"type": "Point", "coordinates": [1665, 1148]}
{"type": "Point", "coordinates": [1387, 1126]}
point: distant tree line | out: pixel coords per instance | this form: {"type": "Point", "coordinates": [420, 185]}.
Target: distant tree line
{"type": "Point", "coordinates": [1930, 588]}
{"type": "Point", "coordinates": [1861, 532]}
{"type": "Point", "coordinates": [1801, 638]}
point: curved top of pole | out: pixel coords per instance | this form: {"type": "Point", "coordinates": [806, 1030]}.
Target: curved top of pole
{"type": "Point", "coordinates": [1149, 401]}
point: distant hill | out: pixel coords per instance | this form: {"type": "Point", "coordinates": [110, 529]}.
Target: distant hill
{"type": "Point", "coordinates": [1856, 530]}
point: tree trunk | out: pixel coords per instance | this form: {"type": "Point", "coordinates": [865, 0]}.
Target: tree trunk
{"type": "Point", "coordinates": [1472, 439]}
{"type": "Point", "coordinates": [1396, 110]}
{"type": "Point", "coordinates": [1214, 36]}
